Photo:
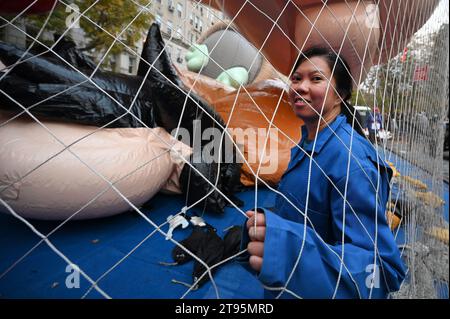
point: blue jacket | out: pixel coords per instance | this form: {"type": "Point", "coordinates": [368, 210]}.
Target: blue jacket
{"type": "Point", "coordinates": [316, 272]}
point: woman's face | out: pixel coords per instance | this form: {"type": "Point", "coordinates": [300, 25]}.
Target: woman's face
{"type": "Point", "coordinates": [308, 91]}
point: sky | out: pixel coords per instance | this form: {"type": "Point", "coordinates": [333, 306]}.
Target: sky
{"type": "Point", "coordinates": [439, 16]}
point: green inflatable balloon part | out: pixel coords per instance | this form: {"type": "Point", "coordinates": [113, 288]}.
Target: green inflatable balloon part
{"type": "Point", "coordinates": [234, 77]}
{"type": "Point", "coordinates": [197, 57]}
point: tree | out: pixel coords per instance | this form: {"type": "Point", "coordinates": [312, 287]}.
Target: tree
{"type": "Point", "coordinates": [114, 16]}
{"type": "Point", "coordinates": [393, 87]}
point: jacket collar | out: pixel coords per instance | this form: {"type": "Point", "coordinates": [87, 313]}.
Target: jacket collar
{"type": "Point", "coordinates": [323, 136]}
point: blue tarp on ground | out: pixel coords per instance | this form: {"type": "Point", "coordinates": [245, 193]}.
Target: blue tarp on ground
{"type": "Point", "coordinates": [97, 245]}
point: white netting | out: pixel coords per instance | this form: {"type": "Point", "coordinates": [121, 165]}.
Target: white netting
{"type": "Point", "coordinates": [410, 89]}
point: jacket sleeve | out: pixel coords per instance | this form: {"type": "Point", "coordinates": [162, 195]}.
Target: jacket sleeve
{"type": "Point", "coordinates": [316, 272]}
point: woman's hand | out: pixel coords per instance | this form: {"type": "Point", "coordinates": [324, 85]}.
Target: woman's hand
{"type": "Point", "coordinates": [257, 235]}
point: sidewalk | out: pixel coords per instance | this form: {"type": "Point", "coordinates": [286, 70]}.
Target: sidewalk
{"type": "Point", "coordinates": [404, 150]}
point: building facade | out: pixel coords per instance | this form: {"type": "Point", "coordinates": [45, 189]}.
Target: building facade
{"type": "Point", "coordinates": [181, 23]}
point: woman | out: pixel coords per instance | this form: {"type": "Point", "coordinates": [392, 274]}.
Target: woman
{"type": "Point", "coordinates": [300, 243]}
{"type": "Point", "coordinates": [374, 124]}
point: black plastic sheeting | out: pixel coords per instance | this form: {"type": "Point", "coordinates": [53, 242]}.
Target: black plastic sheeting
{"type": "Point", "coordinates": [154, 97]}
{"type": "Point", "coordinates": [210, 252]}
{"type": "Point", "coordinates": [232, 241]}
{"type": "Point", "coordinates": [192, 243]}
{"type": "Point", "coordinates": [208, 247]}
{"type": "Point", "coordinates": [33, 83]}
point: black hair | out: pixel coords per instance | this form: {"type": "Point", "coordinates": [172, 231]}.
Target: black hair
{"type": "Point", "coordinates": [343, 79]}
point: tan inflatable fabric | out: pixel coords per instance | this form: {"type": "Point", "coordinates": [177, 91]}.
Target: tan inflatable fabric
{"type": "Point", "coordinates": [363, 29]}
{"type": "Point", "coordinates": [48, 182]}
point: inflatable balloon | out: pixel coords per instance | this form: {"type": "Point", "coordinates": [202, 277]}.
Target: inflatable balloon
{"type": "Point", "coordinates": [224, 54]}
{"type": "Point", "coordinates": [360, 30]}
{"type": "Point", "coordinates": [249, 114]}
{"type": "Point", "coordinates": [222, 50]}
{"type": "Point", "coordinates": [37, 6]}
{"type": "Point", "coordinates": [161, 102]}
{"type": "Point", "coordinates": [42, 179]}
